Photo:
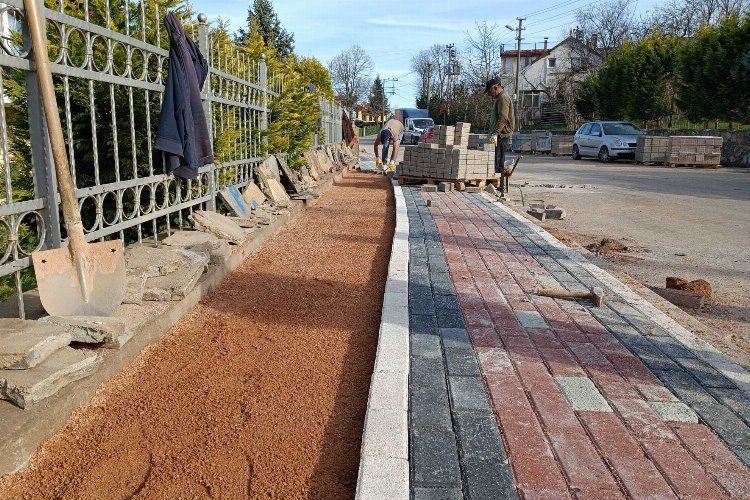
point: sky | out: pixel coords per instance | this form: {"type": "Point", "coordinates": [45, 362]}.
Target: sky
{"type": "Point", "coordinates": [393, 32]}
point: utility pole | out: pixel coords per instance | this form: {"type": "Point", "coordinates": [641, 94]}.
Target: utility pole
{"type": "Point", "coordinates": [453, 69]}
{"type": "Point", "coordinates": [518, 67]}
{"type": "Point", "coordinates": [429, 74]}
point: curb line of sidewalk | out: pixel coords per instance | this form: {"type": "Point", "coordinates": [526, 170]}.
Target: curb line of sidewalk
{"type": "Point", "coordinates": [384, 456]}
{"type": "Point", "coordinates": [703, 349]}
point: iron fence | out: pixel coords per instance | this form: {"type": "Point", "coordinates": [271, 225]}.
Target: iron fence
{"type": "Point", "coordinates": [109, 62]}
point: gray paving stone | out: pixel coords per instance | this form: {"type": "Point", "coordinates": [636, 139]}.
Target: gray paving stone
{"type": "Point", "coordinates": [684, 386]}
{"type": "Point", "coordinates": [672, 347]}
{"type": "Point", "coordinates": [437, 494]}
{"type": "Point", "coordinates": [726, 424]}
{"type": "Point", "coordinates": [446, 302]}
{"type": "Point", "coordinates": [426, 346]}
{"type": "Point", "coordinates": [486, 479]}
{"type": "Point", "coordinates": [461, 361]}
{"type": "Point", "coordinates": [438, 265]}
{"type": "Point", "coordinates": [434, 457]}
{"type": "Point", "coordinates": [606, 316]}
{"type": "Point", "coordinates": [450, 318]}
{"type": "Point", "coordinates": [706, 375]}
{"type": "Point", "coordinates": [674, 412]}
{"type": "Point", "coordinates": [583, 394]}
{"type": "Point", "coordinates": [628, 335]}
{"type": "Point", "coordinates": [735, 399]}
{"type": "Point", "coordinates": [479, 437]}
{"type": "Point", "coordinates": [455, 337]}
{"type": "Point", "coordinates": [530, 319]}
{"type": "Point", "coordinates": [467, 393]}
{"type": "Point", "coordinates": [654, 358]}
{"type": "Point", "coordinates": [428, 393]}
{"type": "Point", "coordinates": [421, 304]}
{"type": "Point", "coordinates": [423, 324]}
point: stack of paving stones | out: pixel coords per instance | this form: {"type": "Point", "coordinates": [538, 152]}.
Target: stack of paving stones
{"type": "Point", "coordinates": [695, 150]}
{"type": "Point", "coordinates": [461, 135]}
{"type": "Point", "coordinates": [590, 402]}
{"type": "Point", "coordinates": [651, 149]}
{"type": "Point", "coordinates": [431, 161]}
{"type": "Point", "coordinates": [455, 448]}
{"type": "Point", "coordinates": [443, 135]}
{"type": "Point", "coordinates": [562, 145]}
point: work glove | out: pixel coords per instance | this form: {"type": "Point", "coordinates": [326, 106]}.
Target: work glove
{"type": "Point", "coordinates": [493, 139]}
{"type": "Point", "coordinates": [392, 166]}
{"type": "Point", "coordinates": [379, 163]}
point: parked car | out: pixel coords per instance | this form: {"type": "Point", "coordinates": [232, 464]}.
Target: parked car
{"type": "Point", "coordinates": [416, 124]}
{"type": "Point", "coordinates": [606, 141]}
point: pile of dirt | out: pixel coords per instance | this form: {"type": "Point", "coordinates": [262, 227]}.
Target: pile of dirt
{"type": "Point", "coordinates": [699, 286]}
{"type": "Point", "coordinates": [607, 246]}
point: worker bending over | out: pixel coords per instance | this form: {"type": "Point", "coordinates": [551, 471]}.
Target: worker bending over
{"type": "Point", "coordinates": [391, 134]}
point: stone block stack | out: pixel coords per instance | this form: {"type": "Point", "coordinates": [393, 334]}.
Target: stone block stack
{"type": "Point", "coordinates": [451, 162]}
{"type": "Point", "coordinates": [443, 135]}
{"type": "Point", "coordinates": [652, 149]}
{"type": "Point", "coordinates": [698, 150]}
{"type": "Point", "coordinates": [562, 145]}
{"type": "Point", "coordinates": [461, 135]}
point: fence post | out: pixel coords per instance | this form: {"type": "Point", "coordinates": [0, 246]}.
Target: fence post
{"type": "Point", "coordinates": [206, 98]}
{"type": "Point", "coordinates": [264, 85]}
{"type": "Point", "coordinates": [45, 179]}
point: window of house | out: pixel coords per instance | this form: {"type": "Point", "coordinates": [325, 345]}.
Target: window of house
{"type": "Point", "coordinates": [551, 62]}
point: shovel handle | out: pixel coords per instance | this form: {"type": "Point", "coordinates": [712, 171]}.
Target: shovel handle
{"type": "Point", "coordinates": [68, 200]}
{"type": "Point", "coordinates": [563, 294]}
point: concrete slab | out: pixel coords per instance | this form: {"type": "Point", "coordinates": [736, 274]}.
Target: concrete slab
{"type": "Point", "coordinates": [135, 285]}
{"type": "Point", "coordinates": [90, 329]}
{"type": "Point", "coordinates": [153, 261]}
{"type": "Point", "coordinates": [381, 478]}
{"type": "Point", "coordinates": [530, 319]}
{"type": "Point", "coordinates": [24, 387]}
{"type": "Point", "coordinates": [174, 286]}
{"type": "Point", "coordinates": [24, 344]}
{"type": "Point", "coordinates": [190, 239]}
{"type": "Point", "coordinates": [583, 394]}
{"type": "Point", "coordinates": [218, 225]}
{"type": "Point", "coordinates": [674, 412]}
{"type": "Point", "coordinates": [254, 194]}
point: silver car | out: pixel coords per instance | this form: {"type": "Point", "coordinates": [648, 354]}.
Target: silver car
{"type": "Point", "coordinates": [606, 141]}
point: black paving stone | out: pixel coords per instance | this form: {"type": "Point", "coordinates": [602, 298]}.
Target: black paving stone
{"type": "Point", "coordinates": [437, 494]}
{"type": "Point", "coordinates": [735, 399]}
{"type": "Point", "coordinates": [485, 479]}
{"type": "Point", "coordinates": [671, 347]}
{"type": "Point", "coordinates": [446, 302]}
{"type": "Point", "coordinates": [705, 373]}
{"type": "Point", "coordinates": [455, 337]}
{"type": "Point", "coordinates": [421, 304]}
{"type": "Point", "coordinates": [654, 358]}
{"type": "Point", "coordinates": [685, 387]}
{"type": "Point", "coordinates": [729, 426]}
{"type": "Point", "coordinates": [423, 323]}
{"type": "Point", "coordinates": [461, 361]}
{"type": "Point", "coordinates": [425, 346]}
{"type": "Point", "coordinates": [450, 318]}
{"type": "Point", "coordinates": [434, 457]}
{"type": "Point", "coordinates": [467, 393]}
{"type": "Point", "coordinates": [479, 437]}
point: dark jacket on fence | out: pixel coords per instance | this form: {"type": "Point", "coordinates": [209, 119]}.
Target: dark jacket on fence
{"type": "Point", "coordinates": [183, 133]}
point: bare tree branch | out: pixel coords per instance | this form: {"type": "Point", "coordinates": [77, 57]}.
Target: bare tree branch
{"type": "Point", "coordinates": [350, 75]}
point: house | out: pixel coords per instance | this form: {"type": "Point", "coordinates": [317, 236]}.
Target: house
{"type": "Point", "coordinates": [550, 75]}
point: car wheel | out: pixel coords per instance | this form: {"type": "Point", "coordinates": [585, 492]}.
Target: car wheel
{"type": "Point", "coordinates": [576, 154]}
{"type": "Point", "coordinates": [604, 156]}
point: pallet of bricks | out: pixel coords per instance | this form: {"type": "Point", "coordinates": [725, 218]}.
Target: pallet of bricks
{"type": "Point", "coordinates": [701, 151]}
{"type": "Point", "coordinates": [561, 145]}
{"type": "Point", "coordinates": [652, 150]}
{"type": "Point", "coordinates": [447, 158]}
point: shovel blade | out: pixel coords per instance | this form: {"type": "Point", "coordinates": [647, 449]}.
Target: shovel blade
{"type": "Point", "coordinates": [60, 288]}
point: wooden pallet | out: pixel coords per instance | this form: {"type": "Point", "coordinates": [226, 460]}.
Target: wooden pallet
{"type": "Point", "coordinates": [458, 184]}
{"type": "Point", "coordinates": [694, 165]}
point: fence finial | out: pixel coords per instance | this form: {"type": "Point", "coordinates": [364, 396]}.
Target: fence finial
{"type": "Point", "coordinates": [263, 57]}
{"type": "Point", "coordinates": [202, 18]}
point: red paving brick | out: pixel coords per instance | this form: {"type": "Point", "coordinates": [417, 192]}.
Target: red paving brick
{"type": "Point", "coordinates": [554, 451]}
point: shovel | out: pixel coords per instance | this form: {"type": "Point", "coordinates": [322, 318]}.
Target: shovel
{"type": "Point", "coordinates": [84, 278]}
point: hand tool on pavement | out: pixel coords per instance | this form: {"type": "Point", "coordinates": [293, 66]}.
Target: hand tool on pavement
{"type": "Point", "coordinates": [84, 278]}
{"type": "Point", "coordinates": [596, 294]}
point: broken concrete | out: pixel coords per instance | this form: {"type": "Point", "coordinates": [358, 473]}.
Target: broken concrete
{"type": "Point", "coordinates": [177, 285]}
{"type": "Point", "coordinates": [272, 188]}
{"type": "Point", "coordinates": [25, 344]}
{"type": "Point", "coordinates": [253, 193]}
{"type": "Point", "coordinates": [190, 239]}
{"type": "Point", "coordinates": [23, 387]}
{"type": "Point", "coordinates": [135, 284]}
{"type": "Point", "coordinates": [553, 212]}
{"type": "Point", "coordinates": [684, 298]}
{"type": "Point", "coordinates": [153, 261]}
{"type": "Point", "coordinates": [90, 329]}
{"type": "Point", "coordinates": [537, 214]}
{"type": "Point", "coordinates": [218, 225]}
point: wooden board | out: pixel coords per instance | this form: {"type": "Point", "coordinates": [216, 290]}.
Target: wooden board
{"type": "Point", "coordinates": [235, 202]}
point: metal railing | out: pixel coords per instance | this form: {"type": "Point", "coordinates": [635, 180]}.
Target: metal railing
{"type": "Point", "coordinates": [109, 64]}
{"type": "Point", "coordinates": [330, 122]}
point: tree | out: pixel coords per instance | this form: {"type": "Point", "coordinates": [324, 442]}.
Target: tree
{"type": "Point", "coordinates": [378, 100]}
{"type": "Point", "coordinates": [483, 54]}
{"type": "Point", "coordinates": [269, 27]}
{"type": "Point", "coordinates": [350, 75]}
{"type": "Point", "coordinates": [613, 22]}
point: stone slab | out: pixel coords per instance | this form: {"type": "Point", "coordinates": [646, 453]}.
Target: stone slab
{"type": "Point", "coordinates": [153, 261]}
{"type": "Point", "coordinates": [24, 387]}
{"type": "Point", "coordinates": [190, 239]}
{"type": "Point", "coordinates": [174, 286]}
{"type": "Point", "coordinates": [235, 202]}
{"type": "Point", "coordinates": [24, 344]}
{"type": "Point", "coordinates": [684, 298]}
{"type": "Point", "coordinates": [429, 188]}
{"type": "Point", "coordinates": [582, 394]}
{"type": "Point", "coordinates": [254, 194]}
{"type": "Point", "coordinates": [530, 319]}
{"type": "Point", "coordinates": [90, 329]}
{"type": "Point", "coordinates": [218, 225]}
{"type": "Point", "coordinates": [381, 478]}
{"type": "Point", "coordinates": [674, 412]}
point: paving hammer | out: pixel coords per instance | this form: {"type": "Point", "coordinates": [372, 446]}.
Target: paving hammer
{"type": "Point", "coordinates": [595, 294]}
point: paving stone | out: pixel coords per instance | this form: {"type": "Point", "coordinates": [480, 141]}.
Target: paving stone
{"type": "Point", "coordinates": [582, 394]}
{"type": "Point", "coordinates": [531, 319]}
{"type": "Point", "coordinates": [383, 478]}
{"type": "Point", "coordinates": [467, 393]}
{"type": "Point", "coordinates": [726, 424]}
{"type": "Point", "coordinates": [737, 400]}
{"type": "Point", "coordinates": [672, 347]}
{"type": "Point", "coordinates": [90, 329]}
{"type": "Point", "coordinates": [455, 337]}
{"type": "Point", "coordinates": [461, 361]}
{"type": "Point", "coordinates": [66, 365]}
{"type": "Point", "coordinates": [154, 261]}
{"type": "Point", "coordinates": [386, 434]}
{"type": "Point", "coordinates": [706, 375]}
{"type": "Point", "coordinates": [479, 437]}
{"type": "Point", "coordinates": [421, 304]}
{"type": "Point", "coordinates": [428, 393]}
{"type": "Point", "coordinates": [434, 457]}
{"type": "Point", "coordinates": [654, 358]}
{"type": "Point", "coordinates": [673, 412]}
{"type": "Point", "coordinates": [437, 494]}
{"type": "Point", "coordinates": [423, 324]}
{"type": "Point", "coordinates": [446, 302]}
{"type": "Point", "coordinates": [684, 386]}
{"type": "Point", "coordinates": [426, 346]}
{"type": "Point", "coordinates": [389, 391]}
{"type": "Point", "coordinates": [24, 344]}
{"type": "Point", "coordinates": [450, 318]}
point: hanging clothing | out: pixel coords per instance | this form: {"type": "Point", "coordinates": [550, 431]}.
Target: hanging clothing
{"type": "Point", "coordinates": [183, 133]}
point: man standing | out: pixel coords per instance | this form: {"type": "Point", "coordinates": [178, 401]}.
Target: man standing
{"type": "Point", "coordinates": [391, 134]}
{"type": "Point", "coordinates": [502, 122]}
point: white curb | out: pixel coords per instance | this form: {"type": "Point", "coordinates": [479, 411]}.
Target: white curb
{"type": "Point", "coordinates": [384, 456]}
{"type": "Point", "coordinates": [703, 349]}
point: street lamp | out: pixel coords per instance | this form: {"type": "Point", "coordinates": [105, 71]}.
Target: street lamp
{"type": "Point", "coordinates": [518, 67]}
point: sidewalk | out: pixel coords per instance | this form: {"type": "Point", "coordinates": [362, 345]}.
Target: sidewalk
{"type": "Point", "coordinates": [512, 393]}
